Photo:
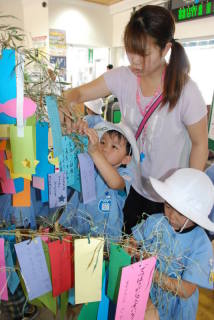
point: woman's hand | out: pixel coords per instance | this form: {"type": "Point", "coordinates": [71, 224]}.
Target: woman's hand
{"type": "Point", "coordinates": [80, 126]}
{"type": "Point", "coordinates": [65, 112]}
{"type": "Point", "coordinates": [71, 97]}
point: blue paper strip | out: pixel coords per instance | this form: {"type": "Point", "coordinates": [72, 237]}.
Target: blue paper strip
{"type": "Point", "coordinates": [44, 167]}
{"type": "Point", "coordinates": [104, 303]}
{"type": "Point", "coordinates": [53, 116]}
{"type": "Point", "coordinates": [5, 119]}
{"type": "Point", "coordinates": [69, 159]}
{"type": "Point", "coordinates": [8, 75]}
{"type": "Point", "coordinates": [19, 184]}
{"type": "Point", "coordinates": [71, 297]}
{"type": "Point", "coordinates": [12, 277]}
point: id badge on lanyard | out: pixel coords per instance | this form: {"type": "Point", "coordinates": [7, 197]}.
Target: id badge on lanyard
{"type": "Point", "coordinates": [145, 111]}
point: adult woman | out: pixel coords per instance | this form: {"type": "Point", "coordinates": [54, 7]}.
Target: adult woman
{"type": "Point", "coordinates": [176, 133]}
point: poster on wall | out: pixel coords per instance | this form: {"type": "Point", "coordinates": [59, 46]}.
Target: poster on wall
{"type": "Point", "coordinates": [211, 127]}
{"type": "Point", "coordinates": [40, 43]}
{"type": "Point", "coordinates": [59, 62]}
{"type": "Point", "coordinates": [57, 42]}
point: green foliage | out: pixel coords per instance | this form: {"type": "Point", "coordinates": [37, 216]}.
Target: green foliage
{"type": "Point", "coordinates": [39, 79]}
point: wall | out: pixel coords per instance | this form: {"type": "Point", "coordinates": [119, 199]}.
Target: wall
{"type": "Point", "coordinates": [14, 8]}
{"type": "Point", "coordinates": [186, 30]}
{"type": "Point", "coordinates": [201, 28]}
{"type": "Point", "coordinates": [35, 17]}
{"type": "Point", "coordinates": [85, 24]}
{"type": "Point", "coordinates": [120, 21]}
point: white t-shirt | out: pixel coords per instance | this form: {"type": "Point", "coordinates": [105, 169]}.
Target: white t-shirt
{"type": "Point", "coordinates": [166, 144]}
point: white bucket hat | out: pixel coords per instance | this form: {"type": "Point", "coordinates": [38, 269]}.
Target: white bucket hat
{"type": "Point", "coordinates": [190, 192]}
{"type": "Point", "coordinates": [105, 126]}
{"type": "Point", "coordinates": [95, 105]}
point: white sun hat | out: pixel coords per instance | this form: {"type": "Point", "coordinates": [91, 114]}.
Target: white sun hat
{"type": "Point", "coordinates": [105, 126]}
{"type": "Point", "coordinates": [190, 192]}
{"type": "Point", "coordinates": [95, 105]}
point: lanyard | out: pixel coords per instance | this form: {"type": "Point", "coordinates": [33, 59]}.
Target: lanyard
{"type": "Point", "coordinates": [157, 93]}
{"type": "Point", "coordinates": [142, 126]}
{"type": "Point", "coordinates": [148, 110]}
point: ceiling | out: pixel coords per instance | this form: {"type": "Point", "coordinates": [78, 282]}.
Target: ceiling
{"type": "Point", "coordinates": [104, 2]}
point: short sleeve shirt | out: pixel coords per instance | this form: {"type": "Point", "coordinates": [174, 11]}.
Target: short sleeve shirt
{"type": "Point", "coordinates": [166, 143]}
{"type": "Point", "coordinates": [103, 216]}
{"type": "Point", "coordinates": [179, 255]}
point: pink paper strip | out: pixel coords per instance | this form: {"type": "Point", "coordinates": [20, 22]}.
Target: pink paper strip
{"type": "Point", "coordinates": [45, 238]}
{"type": "Point", "coordinates": [8, 186]}
{"type": "Point", "coordinates": [3, 277]}
{"type": "Point", "coordinates": [134, 290]}
{"type": "Point", "coordinates": [38, 183]}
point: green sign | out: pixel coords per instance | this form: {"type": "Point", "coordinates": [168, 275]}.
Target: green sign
{"type": "Point", "coordinates": [90, 55]}
{"type": "Point", "coordinates": [211, 127]}
{"type": "Point", "coordinates": [194, 11]}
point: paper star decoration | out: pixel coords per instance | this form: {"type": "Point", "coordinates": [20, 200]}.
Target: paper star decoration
{"type": "Point", "coordinates": [61, 198]}
{"type": "Point", "coordinates": [26, 163]}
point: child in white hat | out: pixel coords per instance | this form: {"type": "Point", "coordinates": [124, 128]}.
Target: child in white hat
{"type": "Point", "coordinates": [94, 112]}
{"type": "Point", "coordinates": [111, 147]}
{"type": "Point", "coordinates": [178, 239]}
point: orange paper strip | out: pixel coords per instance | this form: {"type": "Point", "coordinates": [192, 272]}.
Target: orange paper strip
{"type": "Point", "coordinates": [22, 199]}
{"type": "Point", "coordinates": [3, 145]}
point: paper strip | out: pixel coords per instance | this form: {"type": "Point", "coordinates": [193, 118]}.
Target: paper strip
{"type": "Point", "coordinates": [12, 276]}
{"type": "Point", "coordinates": [134, 290]}
{"type": "Point", "coordinates": [88, 258]}
{"type": "Point", "coordinates": [8, 78]}
{"type": "Point", "coordinates": [23, 198]}
{"type": "Point", "coordinates": [55, 124]}
{"type": "Point", "coordinates": [38, 183]}
{"type": "Point", "coordinates": [33, 267]}
{"type": "Point", "coordinates": [3, 279]}
{"type": "Point", "coordinates": [62, 270]}
{"type": "Point", "coordinates": [118, 259]}
{"type": "Point", "coordinates": [87, 177]}
{"type": "Point", "coordinates": [57, 189]}
{"type": "Point", "coordinates": [20, 94]}
{"type": "Point", "coordinates": [4, 131]}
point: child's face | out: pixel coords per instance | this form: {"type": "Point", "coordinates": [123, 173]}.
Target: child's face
{"type": "Point", "coordinates": [90, 112]}
{"type": "Point", "coordinates": [114, 149]}
{"type": "Point", "coordinates": [176, 219]}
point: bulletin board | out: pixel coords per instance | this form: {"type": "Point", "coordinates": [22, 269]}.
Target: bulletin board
{"type": "Point", "coordinates": [211, 127]}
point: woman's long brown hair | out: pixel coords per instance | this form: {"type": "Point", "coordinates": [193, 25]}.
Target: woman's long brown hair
{"type": "Point", "coordinates": [158, 23]}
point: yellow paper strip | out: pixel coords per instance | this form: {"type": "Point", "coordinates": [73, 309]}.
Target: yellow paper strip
{"type": "Point", "coordinates": [4, 131]}
{"type": "Point", "coordinates": [13, 175]}
{"type": "Point", "coordinates": [88, 260]}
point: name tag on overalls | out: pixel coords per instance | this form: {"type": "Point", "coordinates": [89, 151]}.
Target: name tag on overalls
{"type": "Point", "coordinates": [105, 204]}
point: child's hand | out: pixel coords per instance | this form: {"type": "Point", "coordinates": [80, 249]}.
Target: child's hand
{"type": "Point", "coordinates": [130, 246]}
{"type": "Point", "coordinates": [93, 140]}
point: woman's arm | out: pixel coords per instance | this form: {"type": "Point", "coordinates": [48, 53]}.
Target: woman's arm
{"type": "Point", "coordinates": [198, 133]}
{"type": "Point", "coordinates": [106, 170]}
{"type": "Point", "coordinates": [89, 91]}
{"type": "Point", "coordinates": [182, 288]}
